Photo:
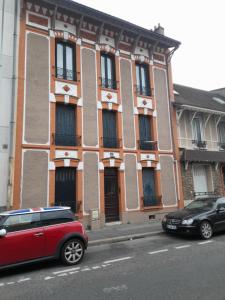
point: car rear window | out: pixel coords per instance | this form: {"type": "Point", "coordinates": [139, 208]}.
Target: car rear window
{"type": "Point", "coordinates": [56, 217]}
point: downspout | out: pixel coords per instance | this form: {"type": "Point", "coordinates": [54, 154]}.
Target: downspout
{"type": "Point", "coordinates": [175, 151]}
{"type": "Point", "coordinates": [13, 105]}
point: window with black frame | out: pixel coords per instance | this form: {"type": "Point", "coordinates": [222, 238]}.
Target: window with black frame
{"type": "Point", "coordinates": [108, 78]}
{"type": "Point", "coordinates": [65, 125]}
{"type": "Point", "coordinates": [197, 129]}
{"type": "Point", "coordinates": [110, 139]}
{"type": "Point", "coordinates": [145, 133]}
{"type": "Point", "coordinates": [221, 132]}
{"type": "Point", "coordinates": [142, 77]}
{"type": "Point", "coordinates": [65, 61]}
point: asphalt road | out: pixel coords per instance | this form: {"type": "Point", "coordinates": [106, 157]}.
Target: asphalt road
{"type": "Point", "coordinates": [160, 267]}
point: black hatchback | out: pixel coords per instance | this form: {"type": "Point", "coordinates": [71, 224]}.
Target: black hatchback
{"type": "Point", "coordinates": [202, 216]}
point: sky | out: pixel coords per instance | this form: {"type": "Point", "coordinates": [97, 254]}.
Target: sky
{"type": "Point", "coordinates": [198, 24]}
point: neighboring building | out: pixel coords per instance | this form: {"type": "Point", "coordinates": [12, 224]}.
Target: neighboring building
{"type": "Point", "coordinates": [9, 10]}
{"type": "Point", "coordinates": [94, 119]}
{"type": "Point", "coordinates": [201, 126]}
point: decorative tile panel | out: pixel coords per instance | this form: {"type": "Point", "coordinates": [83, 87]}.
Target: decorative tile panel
{"type": "Point", "coordinates": [63, 88]}
{"type": "Point", "coordinates": [66, 154]}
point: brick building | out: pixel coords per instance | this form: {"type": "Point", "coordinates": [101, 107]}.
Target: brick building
{"type": "Point", "coordinates": [201, 131]}
{"type": "Point", "coordinates": [94, 118]}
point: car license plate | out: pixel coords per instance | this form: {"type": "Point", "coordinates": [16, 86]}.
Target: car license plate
{"type": "Point", "coordinates": [171, 227]}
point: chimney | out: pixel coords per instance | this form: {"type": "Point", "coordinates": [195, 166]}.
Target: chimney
{"type": "Point", "coordinates": [159, 29]}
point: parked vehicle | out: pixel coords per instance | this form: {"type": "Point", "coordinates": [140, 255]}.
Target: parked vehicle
{"type": "Point", "coordinates": [202, 216]}
{"type": "Point", "coordinates": [28, 235]}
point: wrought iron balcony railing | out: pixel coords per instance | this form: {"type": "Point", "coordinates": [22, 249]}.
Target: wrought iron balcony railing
{"type": "Point", "coordinates": [199, 143]}
{"type": "Point", "coordinates": [66, 74]}
{"type": "Point", "coordinates": [204, 194]}
{"type": "Point", "coordinates": [143, 90]}
{"type": "Point", "coordinates": [108, 142]}
{"type": "Point", "coordinates": [147, 145]}
{"type": "Point", "coordinates": [66, 140]}
{"type": "Point", "coordinates": [108, 83]}
{"type": "Point", "coordinates": [153, 200]}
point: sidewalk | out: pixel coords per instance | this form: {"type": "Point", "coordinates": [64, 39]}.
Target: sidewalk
{"type": "Point", "coordinates": [124, 232]}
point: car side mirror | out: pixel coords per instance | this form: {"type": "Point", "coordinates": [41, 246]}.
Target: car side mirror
{"type": "Point", "coordinates": [220, 209]}
{"type": "Point", "coordinates": [3, 232]}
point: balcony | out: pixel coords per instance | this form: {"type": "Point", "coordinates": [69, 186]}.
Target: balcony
{"type": "Point", "coordinates": [147, 145]}
{"type": "Point", "coordinates": [65, 74]}
{"type": "Point", "coordinates": [66, 140]}
{"type": "Point", "coordinates": [143, 90]}
{"type": "Point", "coordinates": [149, 201]}
{"type": "Point", "coordinates": [109, 142]}
{"type": "Point", "coordinates": [108, 83]}
{"type": "Point", "coordinates": [199, 144]}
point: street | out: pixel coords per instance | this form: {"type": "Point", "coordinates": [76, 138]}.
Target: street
{"type": "Point", "coordinates": [159, 267]}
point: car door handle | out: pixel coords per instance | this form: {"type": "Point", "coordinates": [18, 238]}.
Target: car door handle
{"type": "Point", "coordinates": [39, 234]}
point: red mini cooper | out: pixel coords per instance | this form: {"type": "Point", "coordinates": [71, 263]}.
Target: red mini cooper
{"type": "Point", "coordinates": [28, 235]}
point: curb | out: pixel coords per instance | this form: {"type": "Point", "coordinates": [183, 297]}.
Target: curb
{"type": "Point", "coordinates": [123, 238]}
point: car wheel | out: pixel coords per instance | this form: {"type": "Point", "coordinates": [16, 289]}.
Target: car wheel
{"type": "Point", "coordinates": [72, 252]}
{"type": "Point", "coordinates": [206, 230]}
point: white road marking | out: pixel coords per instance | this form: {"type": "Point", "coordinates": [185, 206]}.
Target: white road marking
{"type": "Point", "coordinates": [206, 242]}
{"type": "Point", "coordinates": [49, 277]}
{"type": "Point", "coordinates": [2, 284]}
{"type": "Point", "coordinates": [158, 251]}
{"type": "Point", "coordinates": [74, 272]}
{"type": "Point", "coordinates": [182, 247]}
{"type": "Point", "coordinates": [9, 283]}
{"type": "Point", "coordinates": [23, 280]}
{"type": "Point", "coordinates": [117, 259]}
{"type": "Point", "coordinates": [67, 270]}
{"type": "Point", "coordinates": [104, 266]}
{"type": "Point", "coordinates": [61, 275]}
{"type": "Point", "coordinates": [86, 269]}
{"type": "Point", "coordinates": [96, 267]}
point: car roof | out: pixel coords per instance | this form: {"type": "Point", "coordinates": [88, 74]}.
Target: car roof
{"type": "Point", "coordinates": [33, 210]}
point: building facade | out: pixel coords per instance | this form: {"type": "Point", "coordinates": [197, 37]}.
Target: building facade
{"type": "Point", "coordinates": [9, 25]}
{"type": "Point", "coordinates": [201, 131]}
{"type": "Point", "coordinates": [94, 117]}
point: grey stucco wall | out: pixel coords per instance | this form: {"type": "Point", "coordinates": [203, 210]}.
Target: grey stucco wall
{"type": "Point", "coordinates": [127, 100]}
{"type": "Point", "coordinates": [37, 90]}
{"type": "Point", "coordinates": [35, 179]}
{"type": "Point", "coordinates": [91, 185]}
{"type": "Point", "coordinates": [168, 184]}
{"type": "Point", "coordinates": [163, 114]}
{"type": "Point", "coordinates": [90, 132]}
{"type": "Point", "coordinates": [131, 181]}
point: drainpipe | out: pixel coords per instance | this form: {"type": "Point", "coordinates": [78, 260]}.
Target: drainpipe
{"type": "Point", "coordinates": [13, 105]}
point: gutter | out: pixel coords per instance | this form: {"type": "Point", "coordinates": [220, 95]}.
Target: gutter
{"type": "Point", "coordinates": [200, 109]}
{"type": "Point", "coordinates": [13, 104]}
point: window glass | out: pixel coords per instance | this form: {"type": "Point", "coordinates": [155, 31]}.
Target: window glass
{"type": "Point", "coordinates": [138, 74]}
{"type": "Point", "coordinates": [109, 68]}
{"type": "Point", "coordinates": [60, 56]}
{"type": "Point", "coordinates": [69, 63]}
{"type": "Point", "coordinates": [57, 217]}
{"type": "Point", "coordinates": [65, 61]}
{"type": "Point", "coordinates": [103, 66]}
{"type": "Point", "coordinates": [222, 132]}
{"type": "Point", "coordinates": [22, 222]}
{"type": "Point", "coordinates": [197, 129]}
{"type": "Point", "coordinates": [143, 77]}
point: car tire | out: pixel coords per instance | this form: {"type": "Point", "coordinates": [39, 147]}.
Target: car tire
{"type": "Point", "coordinates": [206, 230]}
{"type": "Point", "coordinates": [72, 252]}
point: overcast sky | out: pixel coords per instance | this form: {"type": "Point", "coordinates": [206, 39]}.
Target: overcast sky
{"type": "Point", "coordinates": [198, 24]}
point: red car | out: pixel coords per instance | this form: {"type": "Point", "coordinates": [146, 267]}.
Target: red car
{"type": "Point", "coordinates": [28, 235]}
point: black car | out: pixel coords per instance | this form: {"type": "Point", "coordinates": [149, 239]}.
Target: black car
{"type": "Point", "coordinates": [202, 216]}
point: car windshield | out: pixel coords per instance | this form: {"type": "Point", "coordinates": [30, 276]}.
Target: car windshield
{"type": "Point", "coordinates": [204, 204]}
{"type": "Point", "coordinates": [2, 219]}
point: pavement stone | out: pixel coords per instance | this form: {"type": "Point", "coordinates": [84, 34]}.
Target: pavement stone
{"type": "Point", "coordinates": [118, 233]}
